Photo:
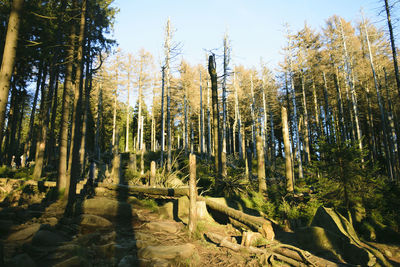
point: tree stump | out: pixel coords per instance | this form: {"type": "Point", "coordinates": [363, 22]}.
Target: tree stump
{"type": "Point", "coordinates": [152, 180]}
{"type": "Point", "coordinates": [192, 193]}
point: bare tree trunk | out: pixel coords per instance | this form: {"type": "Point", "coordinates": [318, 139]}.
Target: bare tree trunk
{"type": "Point", "coordinates": [394, 53]}
{"type": "Point", "coordinates": [306, 129]}
{"type": "Point", "coordinates": [162, 117]}
{"type": "Point", "coordinates": [185, 128]}
{"type": "Point", "coordinates": [8, 61]}
{"type": "Point", "coordinates": [201, 120]}
{"type": "Point", "coordinates": [253, 118]}
{"type": "Point", "coordinates": [209, 149]}
{"type": "Point", "coordinates": [99, 114]}
{"type": "Point", "coordinates": [192, 194]}
{"type": "Point", "coordinates": [127, 106]}
{"type": "Point", "coordinates": [288, 157]}
{"type": "Point", "coordinates": [214, 89]}
{"type": "Point", "coordinates": [140, 100]}
{"type": "Point", "coordinates": [224, 107]}
{"type": "Point", "coordinates": [167, 70]}
{"type": "Point", "coordinates": [381, 109]}
{"type": "Point", "coordinates": [262, 185]}
{"type": "Point", "coordinates": [350, 79]}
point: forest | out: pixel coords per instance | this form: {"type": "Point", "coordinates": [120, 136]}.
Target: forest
{"type": "Point", "coordinates": [112, 158]}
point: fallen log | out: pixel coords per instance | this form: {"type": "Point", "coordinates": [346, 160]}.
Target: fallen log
{"type": "Point", "coordinates": [259, 224]}
{"type": "Point", "coordinates": [151, 191]}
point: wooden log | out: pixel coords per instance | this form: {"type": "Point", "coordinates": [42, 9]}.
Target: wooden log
{"type": "Point", "coordinates": [256, 223]}
{"type": "Point", "coordinates": [152, 191]}
{"type": "Point", "coordinates": [192, 193]}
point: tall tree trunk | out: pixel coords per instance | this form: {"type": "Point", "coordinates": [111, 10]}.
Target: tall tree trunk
{"type": "Point", "coordinates": [32, 117]}
{"type": "Point", "coordinates": [201, 120]}
{"type": "Point", "coordinates": [167, 77]}
{"type": "Point", "coordinates": [209, 149]}
{"type": "Point", "coordinates": [253, 117]}
{"type": "Point", "coordinates": [162, 116]}
{"type": "Point", "coordinates": [328, 119]}
{"type": "Point", "coordinates": [76, 135]}
{"type": "Point", "coordinates": [288, 157]}
{"type": "Point", "coordinates": [306, 129]}
{"type": "Point", "coordinates": [44, 123]}
{"type": "Point", "coordinates": [127, 114]}
{"type": "Point", "coordinates": [394, 53]}
{"type": "Point", "coordinates": [224, 108]}
{"type": "Point", "coordinates": [8, 61]}
{"type": "Point", "coordinates": [63, 179]}
{"type": "Point", "coordinates": [262, 185]}
{"type": "Point", "coordinates": [214, 89]}
{"type": "Point", "coordinates": [381, 109]}
{"type": "Point", "coordinates": [350, 79]}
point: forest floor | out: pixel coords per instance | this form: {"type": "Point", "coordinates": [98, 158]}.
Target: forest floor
{"type": "Point", "coordinates": [121, 230]}
{"type": "Point", "coordinates": [105, 232]}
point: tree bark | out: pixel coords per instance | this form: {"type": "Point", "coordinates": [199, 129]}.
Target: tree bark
{"type": "Point", "coordinates": [392, 44]}
{"type": "Point", "coordinates": [262, 185]}
{"type": "Point", "coordinates": [8, 61]}
{"type": "Point", "coordinates": [192, 194]}
{"type": "Point", "coordinates": [214, 89]}
{"type": "Point", "coordinates": [286, 141]}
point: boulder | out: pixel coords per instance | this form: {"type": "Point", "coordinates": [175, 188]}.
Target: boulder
{"type": "Point", "coordinates": [47, 238]}
{"type": "Point", "coordinates": [167, 252]}
{"type": "Point", "coordinates": [22, 260]}
{"type": "Point", "coordinates": [164, 226]}
{"type": "Point", "coordinates": [107, 208]}
{"type": "Point", "coordinates": [25, 234]}
{"type": "Point", "coordinates": [75, 261]}
{"type": "Point", "coordinates": [112, 250]}
{"type": "Point", "coordinates": [94, 221]}
{"type": "Point", "coordinates": [128, 261]}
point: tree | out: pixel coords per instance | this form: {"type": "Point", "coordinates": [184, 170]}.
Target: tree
{"type": "Point", "coordinates": [8, 59]}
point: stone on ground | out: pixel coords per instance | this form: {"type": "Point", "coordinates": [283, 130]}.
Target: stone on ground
{"type": "Point", "coordinates": [167, 252]}
{"type": "Point", "coordinates": [90, 220]}
{"type": "Point", "coordinates": [22, 260]}
{"type": "Point", "coordinates": [25, 234]}
{"type": "Point", "coordinates": [107, 208]}
{"type": "Point", "coordinates": [164, 226]}
{"type": "Point", "coordinates": [47, 238]}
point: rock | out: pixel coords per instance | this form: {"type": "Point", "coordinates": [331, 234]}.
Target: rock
{"type": "Point", "coordinates": [22, 260]}
{"type": "Point", "coordinates": [166, 211]}
{"type": "Point", "coordinates": [25, 234]}
{"type": "Point", "coordinates": [112, 250]}
{"type": "Point", "coordinates": [52, 221]}
{"type": "Point", "coordinates": [128, 261]}
{"type": "Point", "coordinates": [75, 261]}
{"type": "Point", "coordinates": [107, 208]}
{"type": "Point", "coordinates": [164, 226]}
{"type": "Point", "coordinates": [90, 220]}
{"type": "Point", "coordinates": [88, 239]}
{"type": "Point", "coordinates": [167, 252]}
{"type": "Point", "coordinates": [47, 238]}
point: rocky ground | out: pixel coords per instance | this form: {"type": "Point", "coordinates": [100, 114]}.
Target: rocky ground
{"type": "Point", "coordinates": [112, 228]}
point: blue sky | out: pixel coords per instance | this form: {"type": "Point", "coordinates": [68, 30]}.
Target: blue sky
{"type": "Point", "coordinates": [255, 27]}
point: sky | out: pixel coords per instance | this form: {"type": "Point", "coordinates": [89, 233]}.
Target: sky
{"type": "Point", "coordinates": [255, 27]}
